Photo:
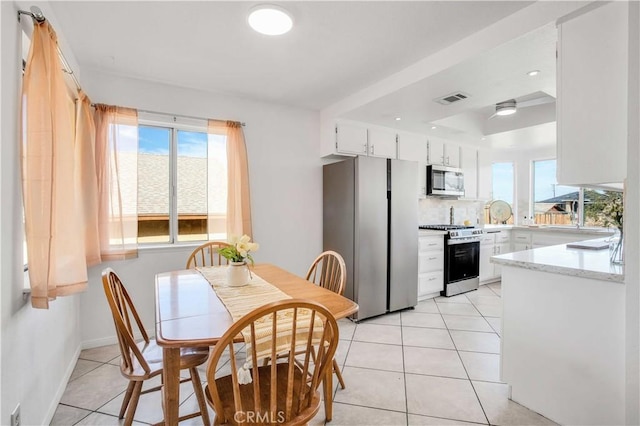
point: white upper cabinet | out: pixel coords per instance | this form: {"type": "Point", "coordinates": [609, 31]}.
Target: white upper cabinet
{"type": "Point", "coordinates": [469, 166]}
{"type": "Point", "coordinates": [413, 147]}
{"type": "Point", "coordinates": [592, 96]}
{"type": "Point", "coordinates": [382, 142]}
{"type": "Point", "coordinates": [441, 152]}
{"type": "Point", "coordinates": [351, 138]}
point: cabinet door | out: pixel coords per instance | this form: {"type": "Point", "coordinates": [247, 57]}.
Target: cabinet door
{"type": "Point", "coordinates": [486, 267]}
{"type": "Point", "coordinates": [592, 96]}
{"type": "Point", "coordinates": [351, 138]}
{"type": "Point", "coordinates": [521, 246]}
{"type": "Point", "coordinates": [435, 152]}
{"type": "Point", "coordinates": [430, 261]}
{"type": "Point", "coordinates": [503, 248]}
{"type": "Point", "coordinates": [469, 165]}
{"type": "Point", "coordinates": [382, 143]}
{"type": "Point", "coordinates": [430, 283]}
{"type": "Point", "coordinates": [413, 147]}
{"type": "Point", "coordinates": [452, 155]}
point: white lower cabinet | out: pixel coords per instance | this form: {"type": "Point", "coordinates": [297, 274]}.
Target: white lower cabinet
{"type": "Point", "coordinates": [492, 244]}
{"type": "Point", "coordinates": [430, 265]}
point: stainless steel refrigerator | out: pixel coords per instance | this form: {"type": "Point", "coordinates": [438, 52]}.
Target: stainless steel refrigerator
{"type": "Point", "coordinates": [370, 215]}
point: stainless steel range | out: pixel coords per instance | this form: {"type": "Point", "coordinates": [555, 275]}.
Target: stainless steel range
{"type": "Point", "coordinates": [461, 257]}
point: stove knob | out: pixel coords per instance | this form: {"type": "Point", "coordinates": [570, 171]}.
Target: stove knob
{"type": "Point", "coordinates": [453, 234]}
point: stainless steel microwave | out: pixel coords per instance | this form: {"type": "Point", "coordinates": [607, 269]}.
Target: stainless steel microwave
{"type": "Point", "coordinates": [445, 181]}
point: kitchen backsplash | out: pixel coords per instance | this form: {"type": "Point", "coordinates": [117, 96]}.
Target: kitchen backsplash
{"type": "Point", "coordinates": [435, 211]}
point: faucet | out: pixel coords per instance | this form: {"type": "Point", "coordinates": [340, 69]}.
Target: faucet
{"type": "Point", "coordinates": [451, 215]}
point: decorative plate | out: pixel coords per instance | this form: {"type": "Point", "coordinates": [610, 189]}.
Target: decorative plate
{"type": "Point", "coordinates": [500, 211]}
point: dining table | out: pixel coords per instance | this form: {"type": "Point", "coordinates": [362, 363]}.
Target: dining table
{"type": "Point", "coordinates": [190, 314]}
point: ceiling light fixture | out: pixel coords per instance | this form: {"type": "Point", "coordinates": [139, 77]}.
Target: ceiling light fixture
{"type": "Point", "coordinates": [433, 127]}
{"type": "Point", "coordinates": [533, 73]}
{"type": "Point", "coordinates": [270, 20]}
{"type": "Point", "coordinates": [506, 107]}
{"type": "Point", "coordinates": [398, 118]}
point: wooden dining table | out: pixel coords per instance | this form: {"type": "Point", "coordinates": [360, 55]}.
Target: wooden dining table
{"type": "Point", "coordinates": [190, 314]}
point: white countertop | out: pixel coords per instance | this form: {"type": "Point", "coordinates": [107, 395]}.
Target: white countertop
{"type": "Point", "coordinates": [550, 228]}
{"type": "Point", "coordinates": [559, 259]}
{"type": "Point", "coordinates": [428, 232]}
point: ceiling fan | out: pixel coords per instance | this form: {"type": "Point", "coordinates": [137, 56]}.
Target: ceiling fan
{"type": "Point", "coordinates": [510, 106]}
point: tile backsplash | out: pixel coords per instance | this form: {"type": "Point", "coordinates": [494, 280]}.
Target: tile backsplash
{"type": "Point", "coordinates": [435, 211]}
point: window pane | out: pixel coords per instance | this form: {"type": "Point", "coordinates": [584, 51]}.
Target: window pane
{"type": "Point", "coordinates": [201, 186]}
{"type": "Point", "coordinates": [503, 182]}
{"type": "Point", "coordinates": [553, 204]}
{"type": "Point", "coordinates": [153, 184]}
{"type": "Point", "coordinates": [602, 208]}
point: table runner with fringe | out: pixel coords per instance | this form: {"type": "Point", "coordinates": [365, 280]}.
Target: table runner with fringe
{"type": "Point", "coordinates": [239, 301]}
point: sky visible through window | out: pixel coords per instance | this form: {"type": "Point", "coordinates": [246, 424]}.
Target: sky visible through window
{"type": "Point", "coordinates": [545, 184]}
{"type": "Point", "coordinates": [503, 182]}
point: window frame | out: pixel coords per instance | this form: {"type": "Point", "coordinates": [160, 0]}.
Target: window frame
{"type": "Point", "coordinates": [174, 124]}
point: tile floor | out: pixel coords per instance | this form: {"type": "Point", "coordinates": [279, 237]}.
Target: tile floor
{"type": "Point", "coordinates": [435, 365]}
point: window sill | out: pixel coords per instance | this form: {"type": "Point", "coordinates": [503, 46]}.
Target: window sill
{"type": "Point", "coordinates": [152, 248]}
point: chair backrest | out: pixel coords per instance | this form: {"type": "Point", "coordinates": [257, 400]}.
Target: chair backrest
{"type": "Point", "coordinates": [207, 255]}
{"type": "Point", "coordinates": [125, 318]}
{"type": "Point", "coordinates": [329, 271]}
{"type": "Point", "coordinates": [282, 391]}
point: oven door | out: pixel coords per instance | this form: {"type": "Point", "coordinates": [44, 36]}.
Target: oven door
{"type": "Point", "coordinates": [462, 260]}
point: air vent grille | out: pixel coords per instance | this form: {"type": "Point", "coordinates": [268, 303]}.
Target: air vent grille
{"type": "Point", "coordinates": [451, 98]}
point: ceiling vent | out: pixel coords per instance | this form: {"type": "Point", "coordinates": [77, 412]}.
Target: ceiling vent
{"type": "Point", "coordinates": [451, 98]}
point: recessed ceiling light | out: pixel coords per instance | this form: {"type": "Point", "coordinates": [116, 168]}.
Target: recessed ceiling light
{"type": "Point", "coordinates": [482, 139]}
{"type": "Point", "coordinates": [398, 118]}
{"type": "Point", "coordinates": [533, 73]}
{"type": "Point", "coordinates": [433, 127]}
{"type": "Point", "coordinates": [270, 20]}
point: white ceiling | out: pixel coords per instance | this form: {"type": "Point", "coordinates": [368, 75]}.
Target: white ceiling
{"type": "Point", "coordinates": [335, 48]}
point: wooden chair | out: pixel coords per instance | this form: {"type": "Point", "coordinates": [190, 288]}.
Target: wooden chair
{"type": "Point", "coordinates": [283, 392]}
{"type": "Point", "coordinates": [143, 360]}
{"type": "Point", "coordinates": [207, 255]}
{"type": "Point", "coordinates": [329, 271]}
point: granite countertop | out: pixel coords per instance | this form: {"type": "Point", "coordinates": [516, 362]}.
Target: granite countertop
{"type": "Point", "coordinates": [563, 260]}
{"type": "Point", "coordinates": [550, 228]}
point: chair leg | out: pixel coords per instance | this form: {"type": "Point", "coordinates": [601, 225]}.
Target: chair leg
{"type": "Point", "coordinates": [197, 387]}
{"type": "Point", "coordinates": [133, 404]}
{"type": "Point", "coordinates": [127, 398]}
{"type": "Point", "coordinates": [336, 369]}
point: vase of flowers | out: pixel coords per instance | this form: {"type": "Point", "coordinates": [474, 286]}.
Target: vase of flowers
{"type": "Point", "coordinates": [612, 214]}
{"type": "Point", "coordinates": [237, 253]}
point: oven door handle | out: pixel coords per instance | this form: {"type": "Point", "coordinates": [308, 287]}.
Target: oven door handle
{"type": "Point", "coordinates": [463, 241]}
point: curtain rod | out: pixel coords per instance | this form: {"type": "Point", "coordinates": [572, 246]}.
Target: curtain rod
{"type": "Point", "coordinates": [193, 117]}
{"type": "Point", "coordinates": [38, 18]}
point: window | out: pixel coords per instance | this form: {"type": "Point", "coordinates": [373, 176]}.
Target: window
{"type": "Point", "coordinates": [567, 205]}
{"type": "Point", "coordinates": [182, 184]}
{"type": "Point", "coordinates": [503, 186]}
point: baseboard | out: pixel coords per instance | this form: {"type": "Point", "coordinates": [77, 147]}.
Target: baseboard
{"type": "Point", "coordinates": [63, 386]}
{"type": "Point", "coordinates": [110, 340]}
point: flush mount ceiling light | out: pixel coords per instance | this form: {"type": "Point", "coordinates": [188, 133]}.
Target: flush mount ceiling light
{"type": "Point", "coordinates": [506, 107]}
{"type": "Point", "coordinates": [533, 73]}
{"type": "Point", "coordinates": [270, 20]}
{"type": "Point", "coordinates": [398, 118]}
{"type": "Point", "coordinates": [433, 127]}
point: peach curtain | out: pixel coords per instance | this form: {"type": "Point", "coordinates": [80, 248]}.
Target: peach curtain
{"type": "Point", "coordinates": [86, 177]}
{"type": "Point", "coordinates": [117, 171]}
{"type": "Point", "coordinates": [238, 196]}
{"type": "Point", "coordinates": [54, 227]}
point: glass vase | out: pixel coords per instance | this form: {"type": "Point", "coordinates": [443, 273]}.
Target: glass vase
{"type": "Point", "coordinates": [616, 250]}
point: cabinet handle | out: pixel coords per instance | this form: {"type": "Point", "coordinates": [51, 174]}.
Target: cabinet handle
{"type": "Point", "coordinates": [447, 159]}
{"type": "Point", "coordinates": [432, 279]}
{"type": "Point", "coordinates": [373, 149]}
{"type": "Point", "coordinates": [365, 148]}
{"type": "Point", "coordinates": [432, 258]}
{"type": "Point", "coordinates": [432, 244]}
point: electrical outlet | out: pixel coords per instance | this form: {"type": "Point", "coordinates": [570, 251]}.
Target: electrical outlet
{"type": "Point", "coordinates": [15, 416]}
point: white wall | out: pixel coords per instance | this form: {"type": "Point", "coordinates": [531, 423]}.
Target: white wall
{"type": "Point", "coordinates": [285, 170]}
{"type": "Point", "coordinates": [38, 348]}
{"type": "Point", "coordinates": [522, 169]}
